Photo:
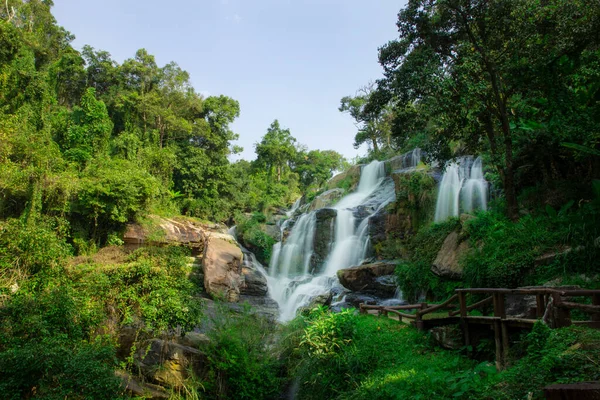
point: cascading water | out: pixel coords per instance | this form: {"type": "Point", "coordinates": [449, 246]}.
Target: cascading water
{"type": "Point", "coordinates": [290, 262]}
{"type": "Point", "coordinates": [463, 188]}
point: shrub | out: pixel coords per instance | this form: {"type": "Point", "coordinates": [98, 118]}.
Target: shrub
{"type": "Point", "coordinates": [240, 365]}
{"type": "Point", "coordinates": [414, 276]}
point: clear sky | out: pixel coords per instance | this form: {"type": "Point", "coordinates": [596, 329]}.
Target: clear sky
{"type": "Point", "coordinates": [291, 60]}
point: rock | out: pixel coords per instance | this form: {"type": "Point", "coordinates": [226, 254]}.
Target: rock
{"type": "Point", "coordinates": [323, 299]}
{"type": "Point", "coordinates": [323, 239]}
{"type": "Point", "coordinates": [348, 178]}
{"type": "Point", "coordinates": [194, 339]}
{"type": "Point", "coordinates": [168, 363]}
{"type": "Point", "coordinates": [549, 258]}
{"type": "Point", "coordinates": [140, 389]}
{"type": "Point", "coordinates": [222, 266]}
{"type": "Point", "coordinates": [449, 337]}
{"type": "Point", "coordinates": [337, 307]}
{"type": "Point", "coordinates": [377, 278]}
{"type": "Point", "coordinates": [254, 283]}
{"type": "Point", "coordinates": [446, 263]}
{"type": "Point", "coordinates": [263, 306]}
{"type": "Point", "coordinates": [519, 306]}
{"type": "Point", "coordinates": [185, 232]}
{"type": "Point", "coordinates": [272, 230]}
{"type": "Point", "coordinates": [326, 199]}
{"type": "Point", "coordinates": [356, 299]}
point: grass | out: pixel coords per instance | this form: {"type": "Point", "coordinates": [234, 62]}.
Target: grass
{"type": "Point", "coordinates": [364, 357]}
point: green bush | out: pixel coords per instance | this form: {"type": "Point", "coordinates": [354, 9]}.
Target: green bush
{"type": "Point", "coordinates": [414, 276]}
{"type": "Point", "coordinates": [375, 359]}
{"type": "Point", "coordinates": [565, 355]}
{"type": "Point", "coordinates": [251, 235]}
{"type": "Point", "coordinates": [240, 364]}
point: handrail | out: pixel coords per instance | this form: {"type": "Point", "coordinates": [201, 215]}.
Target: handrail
{"type": "Point", "coordinates": [403, 315]}
{"type": "Point", "coordinates": [437, 307]}
{"type": "Point", "coordinates": [473, 306]}
{"type": "Point", "coordinates": [563, 292]}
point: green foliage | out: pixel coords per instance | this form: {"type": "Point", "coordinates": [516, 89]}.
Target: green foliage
{"type": "Point", "coordinates": [28, 249]}
{"type": "Point", "coordinates": [504, 251]}
{"type": "Point", "coordinates": [565, 355]}
{"type": "Point", "coordinates": [240, 367]}
{"type": "Point", "coordinates": [384, 360]}
{"type": "Point", "coordinates": [415, 193]}
{"type": "Point", "coordinates": [327, 333]}
{"type": "Point", "coordinates": [414, 276]}
{"type": "Point", "coordinates": [151, 288]}
{"type": "Point", "coordinates": [251, 234]}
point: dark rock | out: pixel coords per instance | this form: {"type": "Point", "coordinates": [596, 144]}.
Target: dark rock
{"type": "Point", "coordinates": [323, 239]}
{"type": "Point", "coordinates": [357, 298]}
{"type": "Point", "coordinates": [263, 306]}
{"type": "Point", "coordinates": [374, 279]}
{"type": "Point", "coordinates": [449, 337]}
{"type": "Point", "coordinates": [337, 307]}
{"type": "Point", "coordinates": [254, 282]}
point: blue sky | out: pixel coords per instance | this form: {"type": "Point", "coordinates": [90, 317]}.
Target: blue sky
{"type": "Point", "coordinates": [291, 60]}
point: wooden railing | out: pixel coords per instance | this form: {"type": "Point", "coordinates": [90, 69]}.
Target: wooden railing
{"type": "Point", "coordinates": [554, 306]}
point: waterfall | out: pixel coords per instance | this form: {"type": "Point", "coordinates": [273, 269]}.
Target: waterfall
{"type": "Point", "coordinates": [462, 189]}
{"type": "Point", "coordinates": [293, 287]}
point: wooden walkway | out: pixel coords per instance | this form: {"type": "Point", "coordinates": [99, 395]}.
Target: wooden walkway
{"type": "Point", "coordinates": [553, 306]}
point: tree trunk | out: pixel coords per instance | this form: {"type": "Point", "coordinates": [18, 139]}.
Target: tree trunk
{"type": "Point", "coordinates": [375, 147]}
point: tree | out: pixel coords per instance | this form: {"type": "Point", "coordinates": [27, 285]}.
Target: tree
{"type": "Point", "coordinates": [276, 149]}
{"type": "Point", "coordinates": [317, 166]}
{"type": "Point", "coordinates": [372, 123]}
{"type": "Point", "coordinates": [473, 69]}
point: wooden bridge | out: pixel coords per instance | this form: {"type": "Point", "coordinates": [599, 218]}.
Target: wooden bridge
{"type": "Point", "coordinates": [553, 306]}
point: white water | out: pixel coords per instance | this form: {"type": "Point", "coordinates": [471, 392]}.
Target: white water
{"type": "Point", "coordinates": [462, 189]}
{"type": "Point", "coordinates": [293, 287]}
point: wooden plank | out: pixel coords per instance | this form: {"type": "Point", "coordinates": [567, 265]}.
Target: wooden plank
{"type": "Point", "coordinates": [566, 292]}
{"type": "Point", "coordinates": [505, 343]}
{"type": "Point", "coordinates": [540, 305]}
{"type": "Point", "coordinates": [589, 308]}
{"type": "Point", "coordinates": [499, 309]}
{"type": "Point", "coordinates": [482, 320]}
{"type": "Point", "coordinates": [596, 302]}
{"type": "Point", "coordinates": [574, 391]}
{"type": "Point", "coordinates": [589, 324]}
{"type": "Point", "coordinates": [498, 342]}
{"type": "Point", "coordinates": [561, 316]}
{"type": "Point", "coordinates": [520, 322]}
{"type": "Point", "coordinates": [437, 306]}
{"type": "Point", "coordinates": [403, 315]}
{"type": "Point", "coordinates": [472, 307]}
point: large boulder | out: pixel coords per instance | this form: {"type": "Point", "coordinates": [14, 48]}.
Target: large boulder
{"type": "Point", "coordinates": [326, 199]}
{"type": "Point", "coordinates": [376, 279]}
{"type": "Point", "coordinates": [222, 265]}
{"type": "Point", "coordinates": [168, 363]}
{"type": "Point", "coordinates": [323, 239]}
{"type": "Point", "coordinates": [186, 232]}
{"type": "Point", "coordinates": [446, 263]}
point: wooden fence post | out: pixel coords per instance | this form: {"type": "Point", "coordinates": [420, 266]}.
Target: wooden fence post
{"type": "Point", "coordinates": [462, 301]}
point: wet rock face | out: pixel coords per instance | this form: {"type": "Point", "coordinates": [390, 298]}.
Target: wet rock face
{"type": "Point", "coordinates": [326, 199]}
{"type": "Point", "coordinates": [323, 239]}
{"type": "Point", "coordinates": [375, 279]}
{"type": "Point", "coordinates": [446, 263]}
